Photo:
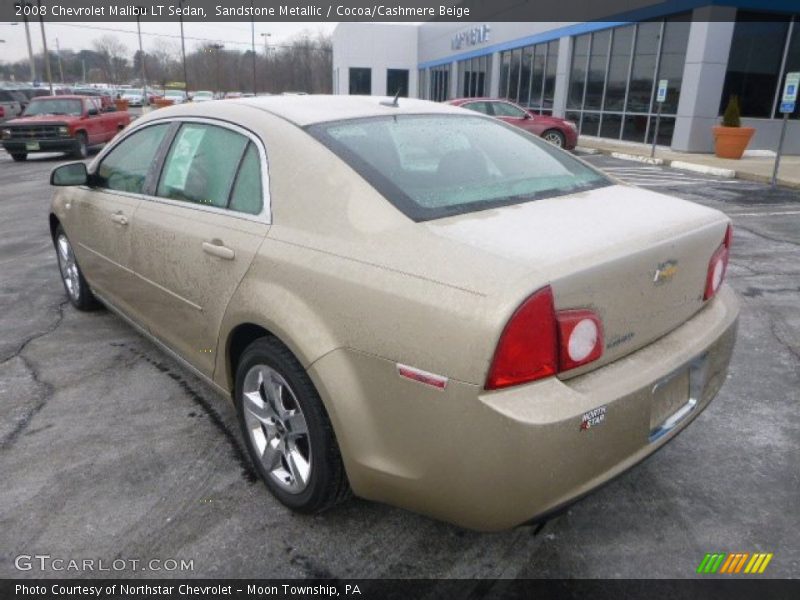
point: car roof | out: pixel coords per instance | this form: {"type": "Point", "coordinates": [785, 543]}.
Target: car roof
{"type": "Point", "coordinates": [62, 97]}
{"type": "Point", "coordinates": [314, 108]}
{"type": "Point", "coordinates": [480, 99]}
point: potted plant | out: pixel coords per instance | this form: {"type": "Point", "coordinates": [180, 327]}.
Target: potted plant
{"type": "Point", "coordinates": [730, 138]}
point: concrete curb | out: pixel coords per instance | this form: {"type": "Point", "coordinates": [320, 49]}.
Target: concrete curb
{"type": "Point", "coordinates": [704, 169]}
{"type": "Point", "coordinates": [638, 158]}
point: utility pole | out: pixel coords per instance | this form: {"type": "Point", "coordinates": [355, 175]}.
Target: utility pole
{"type": "Point", "coordinates": [253, 40]}
{"type": "Point", "coordinates": [266, 57]}
{"type": "Point", "coordinates": [30, 47]}
{"type": "Point", "coordinates": [60, 65]}
{"type": "Point", "coordinates": [145, 99]}
{"type": "Point", "coordinates": [46, 53]}
{"type": "Point", "coordinates": [217, 48]}
{"type": "Point", "coordinates": [183, 52]}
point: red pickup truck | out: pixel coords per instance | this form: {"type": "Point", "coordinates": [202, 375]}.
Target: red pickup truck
{"type": "Point", "coordinates": [70, 124]}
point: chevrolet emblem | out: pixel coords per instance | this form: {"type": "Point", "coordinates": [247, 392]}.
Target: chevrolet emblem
{"type": "Point", "coordinates": [665, 272]}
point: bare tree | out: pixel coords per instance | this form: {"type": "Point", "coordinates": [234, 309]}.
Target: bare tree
{"type": "Point", "coordinates": [114, 56]}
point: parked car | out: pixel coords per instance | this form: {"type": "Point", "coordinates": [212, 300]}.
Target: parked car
{"type": "Point", "coordinates": [19, 96]}
{"type": "Point", "coordinates": [232, 95]}
{"type": "Point", "coordinates": [414, 301]}
{"type": "Point", "coordinates": [106, 98]}
{"type": "Point", "coordinates": [560, 132]}
{"type": "Point", "coordinates": [135, 97]}
{"type": "Point", "coordinates": [202, 96]}
{"type": "Point", "coordinates": [70, 124]}
{"type": "Point", "coordinates": [177, 96]}
{"type": "Point", "coordinates": [10, 105]}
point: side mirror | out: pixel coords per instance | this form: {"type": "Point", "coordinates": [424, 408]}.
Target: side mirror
{"type": "Point", "coordinates": [92, 112]}
{"type": "Point", "coordinates": [527, 116]}
{"type": "Point", "coordinates": [74, 173]}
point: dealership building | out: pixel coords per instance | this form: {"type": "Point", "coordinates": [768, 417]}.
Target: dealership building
{"type": "Point", "coordinates": [602, 74]}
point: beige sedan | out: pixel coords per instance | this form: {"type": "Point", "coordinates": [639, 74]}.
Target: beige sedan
{"type": "Point", "coordinates": [408, 300]}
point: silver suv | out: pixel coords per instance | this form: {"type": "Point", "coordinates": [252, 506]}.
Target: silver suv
{"type": "Point", "coordinates": [11, 108]}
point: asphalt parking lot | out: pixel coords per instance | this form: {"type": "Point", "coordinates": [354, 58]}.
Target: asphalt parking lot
{"type": "Point", "coordinates": [109, 449]}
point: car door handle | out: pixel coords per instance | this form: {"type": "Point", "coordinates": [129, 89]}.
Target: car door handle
{"type": "Point", "coordinates": [218, 249]}
{"type": "Point", "coordinates": [119, 218]}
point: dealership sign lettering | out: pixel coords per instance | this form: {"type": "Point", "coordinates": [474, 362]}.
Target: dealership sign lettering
{"type": "Point", "coordinates": [470, 37]}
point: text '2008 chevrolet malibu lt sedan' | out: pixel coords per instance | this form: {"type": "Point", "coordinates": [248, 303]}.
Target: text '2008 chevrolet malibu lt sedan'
{"type": "Point", "coordinates": [423, 305]}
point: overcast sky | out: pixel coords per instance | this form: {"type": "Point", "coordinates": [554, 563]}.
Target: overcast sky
{"type": "Point", "coordinates": [79, 36]}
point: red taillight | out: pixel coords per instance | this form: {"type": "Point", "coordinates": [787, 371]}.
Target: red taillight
{"type": "Point", "coordinates": [527, 349]}
{"type": "Point", "coordinates": [539, 342]}
{"type": "Point", "coordinates": [718, 265]}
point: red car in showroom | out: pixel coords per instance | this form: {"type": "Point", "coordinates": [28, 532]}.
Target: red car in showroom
{"type": "Point", "coordinates": [559, 132]}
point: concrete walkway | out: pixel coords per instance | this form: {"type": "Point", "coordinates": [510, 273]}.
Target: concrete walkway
{"type": "Point", "coordinates": [753, 168]}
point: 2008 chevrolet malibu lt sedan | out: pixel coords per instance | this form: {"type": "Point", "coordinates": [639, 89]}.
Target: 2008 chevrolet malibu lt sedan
{"type": "Point", "coordinates": [409, 300]}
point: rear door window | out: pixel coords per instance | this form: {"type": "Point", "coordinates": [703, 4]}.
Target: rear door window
{"type": "Point", "coordinates": [202, 164]}
{"type": "Point", "coordinates": [247, 195]}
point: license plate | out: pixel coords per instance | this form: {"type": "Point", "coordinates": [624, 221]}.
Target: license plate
{"type": "Point", "coordinates": [30, 146]}
{"type": "Point", "coordinates": [669, 396]}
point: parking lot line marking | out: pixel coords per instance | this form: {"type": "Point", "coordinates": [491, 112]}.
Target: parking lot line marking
{"type": "Point", "coordinates": [765, 214]}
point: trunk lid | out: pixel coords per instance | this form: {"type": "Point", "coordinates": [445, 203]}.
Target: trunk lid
{"type": "Point", "coordinates": [637, 258]}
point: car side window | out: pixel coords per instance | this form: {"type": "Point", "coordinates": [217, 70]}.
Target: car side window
{"type": "Point", "coordinates": [125, 168]}
{"type": "Point", "coordinates": [202, 164]}
{"type": "Point", "coordinates": [501, 109]}
{"type": "Point", "coordinates": [248, 195]}
{"type": "Point", "coordinates": [481, 107]}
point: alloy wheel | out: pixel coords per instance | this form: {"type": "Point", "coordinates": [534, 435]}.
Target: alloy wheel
{"type": "Point", "coordinates": [68, 267]}
{"type": "Point", "coordinates": [277, 428]}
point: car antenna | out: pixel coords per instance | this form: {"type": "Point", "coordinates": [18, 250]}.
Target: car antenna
{"type": "Point", "coordinates": [393, 101]}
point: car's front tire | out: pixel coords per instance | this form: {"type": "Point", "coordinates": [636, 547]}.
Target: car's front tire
{"type": "Point", "coordinates": [81, 146]}
{"type": "Point", "coordinates": [78, 291]}
{"type": "Point", "coordinates": [20, 157]}
{"type": "Point", "coordinates": [286, 429]}
{"type": "Point", "coordinates": [555, 137]}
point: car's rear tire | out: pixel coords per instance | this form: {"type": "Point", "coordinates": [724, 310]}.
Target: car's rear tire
{"type": "Point", "coordinates": [78, 290]}
{"type": "Point", "coordinates": [81, 146]}
{"type": "Point", "coordinates": [20, 157]}
{"type": "Point", "coordinates": [286, 429]}
{"type": "Point", "coordinates": [555, 137]}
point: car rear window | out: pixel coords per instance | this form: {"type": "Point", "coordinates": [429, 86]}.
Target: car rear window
{"type": "Point", "coordinates": [434, 166]}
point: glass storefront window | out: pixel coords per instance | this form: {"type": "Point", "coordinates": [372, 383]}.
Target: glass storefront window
{"type": "Point", "coordinates": [550, 76]}
{"type": "Point", "coordinates": [644, 67]}
{"type": "Point", "coordinates": [612, 78]}
{"type": "Point", "coordinates": [438, 83]}
{"type": "Point", "coordinates": [618, 69]}
{"type": "Point", "coordinates": [577, 79]}
{"type": "Point", "coordinates": [792, 66]}
{"type": "Point", "coordinates": [360, 81]}
{"type": "Point", "coordinates": [754, 64]}
{"type": "Point", "coordinates": [473, 77]}
{"type": "Point", "coordinates": [596, 77]}
{"type": "Point", "coordinates": [528, 75]}
{"type": "Point", "coordinates": [673, 59]}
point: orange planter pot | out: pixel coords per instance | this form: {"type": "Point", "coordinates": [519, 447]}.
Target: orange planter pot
{"type": "Point", "coordinates": [731, 142]}
{"type": "Point", "coordinates": [162, 102]}
{"type": "Point", "coordinates": [121, 104]}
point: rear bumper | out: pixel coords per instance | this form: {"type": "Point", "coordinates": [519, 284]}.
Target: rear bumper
{"type": "Point", "coordinates": [45, 145]}
{"type": "Point", "coordinates": [493, 460]}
